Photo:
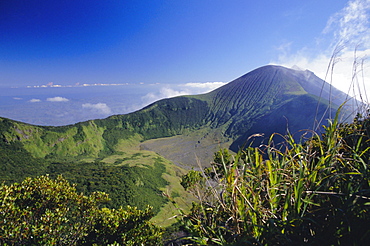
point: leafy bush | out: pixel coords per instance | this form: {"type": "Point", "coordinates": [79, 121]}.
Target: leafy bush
{"type": "Point", "coordinates": [315, 193]}
{"type": "Point", "coordinates": [42, 211]}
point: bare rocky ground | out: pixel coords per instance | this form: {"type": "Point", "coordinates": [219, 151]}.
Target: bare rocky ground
{"type": "Point", "coordinates": [190, 150]}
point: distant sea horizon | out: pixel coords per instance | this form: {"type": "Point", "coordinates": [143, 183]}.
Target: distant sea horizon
{"type": "Point", "coordinates": [57, 106]}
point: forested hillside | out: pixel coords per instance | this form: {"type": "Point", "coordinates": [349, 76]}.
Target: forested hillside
{"type": "Point", "coordinates": [316, 193]}
{"type": "Point", "coordinates": [133, 156]}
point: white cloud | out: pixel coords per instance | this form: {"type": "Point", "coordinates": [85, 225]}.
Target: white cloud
{"type": "Point", "coordinates": [164, 92]}
{"type": "Point", "coordinates": [352, 23]}
{"type": "Point", "coordinates": [205, 87]}
{"type": "Point", "coordinates": [57, 99]}
{"type": "Point", "coordinates": [34, 100]}
{"type": "Point", "coordinates": [180, 90]}
{"type": "Point", "coordinates": [17, 98]}
{"type": "Point", "coordinates": [100, 108]}
{"type": "Point", "coordinates": [168, 92]}
{"type": "Point", "coordinates": [349, 32]}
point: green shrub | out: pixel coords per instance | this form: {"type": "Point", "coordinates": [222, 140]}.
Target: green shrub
{"type": "Point", "coordinates": [42, 211]}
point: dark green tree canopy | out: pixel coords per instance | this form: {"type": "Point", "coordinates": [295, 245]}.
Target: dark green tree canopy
{"type": "Point", "coordinates": [43, 211]}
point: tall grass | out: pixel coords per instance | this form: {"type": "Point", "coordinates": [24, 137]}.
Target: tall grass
{"type": "Point", "coordinates": [315, 193]}
{"type": "Point", "coordinates": [312, 192]}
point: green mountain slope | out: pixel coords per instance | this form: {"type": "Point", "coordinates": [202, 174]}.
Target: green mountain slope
{"type": "Point", "coordinates": [93, 153]}
{"type": "Point", "coordinates": [234, 109]}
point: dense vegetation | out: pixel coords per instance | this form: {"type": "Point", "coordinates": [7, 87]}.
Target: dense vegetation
{"type": "Point", "coordinates": [135, 186]}
{"type": "Point", "coordinates": [43, 211]}
{"type": "Point", "coordinates": [315, 192]}
{"type": "Point", "coordinates": [258, 197]}
{"type": "Point", "coordinates": [311, 193]}
{"type": "Point", "coordinates": [126, 185]}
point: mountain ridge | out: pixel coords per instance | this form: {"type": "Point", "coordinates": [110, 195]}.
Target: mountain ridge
{"type": "Point", "coordinates": [234, 107]}
{"type": "Point", "coordinates": [153, 147]}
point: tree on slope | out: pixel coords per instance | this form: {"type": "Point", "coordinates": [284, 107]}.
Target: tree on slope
{"type": "Point", "coordinates": [43, 211]}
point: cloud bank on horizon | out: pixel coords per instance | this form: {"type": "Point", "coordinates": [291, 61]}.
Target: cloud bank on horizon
{"type": "Point", "coordinates": [169, 91]}
{"type": "Point", "coordinates": [343, 61]}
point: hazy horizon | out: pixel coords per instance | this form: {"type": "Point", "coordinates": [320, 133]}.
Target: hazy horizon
{"type": "Point", "coordinates": [56, 106]}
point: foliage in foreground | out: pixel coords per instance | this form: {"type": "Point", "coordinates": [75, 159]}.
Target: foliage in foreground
{"type": "Point", "coordinates": [137, 186]}
{"type": "Point", "coordinates": [316, 193]}
{"type": "Point", "coordinates": [43, 211]}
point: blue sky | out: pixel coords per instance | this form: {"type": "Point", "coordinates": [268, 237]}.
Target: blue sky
{"type": "Point", "coordinates": [171, 42]}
